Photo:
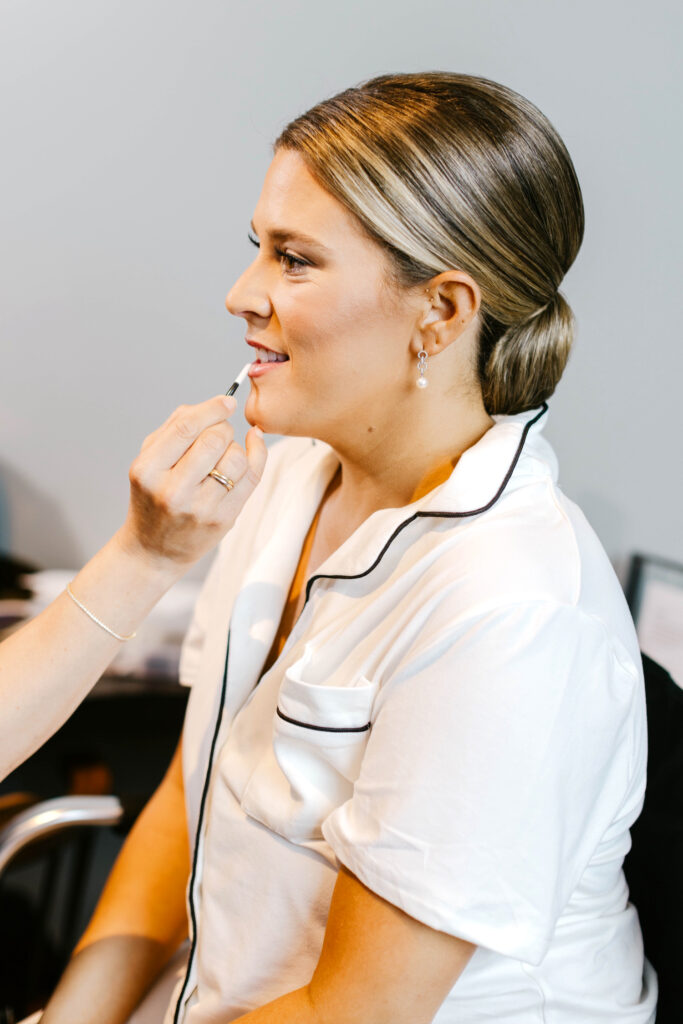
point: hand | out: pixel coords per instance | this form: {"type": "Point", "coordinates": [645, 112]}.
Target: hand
{"type": "Point", "coordinates": [177, 511]}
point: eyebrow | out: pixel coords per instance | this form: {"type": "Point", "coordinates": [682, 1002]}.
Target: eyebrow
{"type": "Point", "coordinates": [291, 235]}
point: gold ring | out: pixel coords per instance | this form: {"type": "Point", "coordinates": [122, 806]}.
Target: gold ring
{"type": "Point", "coordinates": [225, 480]}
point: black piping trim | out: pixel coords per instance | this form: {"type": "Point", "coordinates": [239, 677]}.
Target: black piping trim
{"type": "Point", "coordinates": [195, 859]}
{"type": "Point", "coordinates": [322, 728]}
{"type": "Point", "coordinates": [434, 515]}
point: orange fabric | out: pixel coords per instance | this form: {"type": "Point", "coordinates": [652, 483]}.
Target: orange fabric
{"type": "Point", "coordinates": [289, 614]}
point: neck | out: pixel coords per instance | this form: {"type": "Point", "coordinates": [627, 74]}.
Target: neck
{"type": "Point", "coordinates": [397, 465]}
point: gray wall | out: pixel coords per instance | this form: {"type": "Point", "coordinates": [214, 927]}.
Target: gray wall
{"type": "Point", "coordinates": [135, 135]}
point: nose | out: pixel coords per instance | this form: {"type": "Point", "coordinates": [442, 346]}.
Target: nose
{"type": "Point", "coordinates": [248, 296]}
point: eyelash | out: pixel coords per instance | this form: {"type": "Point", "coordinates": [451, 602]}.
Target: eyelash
{"type": "Point", "coordinates": [290, 262]}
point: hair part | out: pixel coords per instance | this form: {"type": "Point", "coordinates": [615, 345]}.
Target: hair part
{"type": "Point", "coordinates": [449, 171]}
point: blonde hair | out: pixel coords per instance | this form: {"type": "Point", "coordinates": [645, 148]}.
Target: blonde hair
{"type": "Point", "coordinates": [450, 171]}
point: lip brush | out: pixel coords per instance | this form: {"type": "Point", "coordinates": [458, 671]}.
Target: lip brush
{"type": "Point", "coordinates": [239, 379]}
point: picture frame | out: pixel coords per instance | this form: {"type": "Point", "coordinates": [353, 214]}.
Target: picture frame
{"type": "Point", "coordinates": [654, 591]}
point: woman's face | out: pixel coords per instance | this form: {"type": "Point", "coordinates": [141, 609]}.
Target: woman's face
{"type": "Point", "coordinates": [318, 295]}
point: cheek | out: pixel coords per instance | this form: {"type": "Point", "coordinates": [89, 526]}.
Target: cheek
{"type": "Point", "coordinates": [298, 309]}
{"type": "Point", "coordinates": [332, 321]}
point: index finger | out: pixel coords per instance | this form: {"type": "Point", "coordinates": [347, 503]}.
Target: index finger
{"type": "Point", "coordinates": [174, 437]}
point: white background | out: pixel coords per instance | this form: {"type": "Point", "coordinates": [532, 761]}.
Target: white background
{"type": "Point", "coordinates": [134, 138]}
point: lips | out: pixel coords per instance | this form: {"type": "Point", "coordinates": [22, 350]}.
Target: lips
{"type": "Point", "coordinates": [267, 355]}
{"type": "Point", "coordinates": [267, 360]}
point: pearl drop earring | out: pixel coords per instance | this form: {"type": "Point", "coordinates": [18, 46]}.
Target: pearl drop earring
{"type": "Point", "coordinates": [422, 357]}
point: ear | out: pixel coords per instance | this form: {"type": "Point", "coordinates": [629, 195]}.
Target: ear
{"type": "Point", "coordinates": [450, 305]}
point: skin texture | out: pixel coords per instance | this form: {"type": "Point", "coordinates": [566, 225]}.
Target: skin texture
{"type": "Point", "coordinates": [377, 966]}
{"type": "Point", "coordinates": [176, 515]}
{"type": "Point", "coordinates": [140, 919]}
{"type": "Point", "coordinates": [352, 339]}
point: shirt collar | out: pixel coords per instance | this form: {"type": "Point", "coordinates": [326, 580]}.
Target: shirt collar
{"type": "Point", "coordinates": [511, 451]}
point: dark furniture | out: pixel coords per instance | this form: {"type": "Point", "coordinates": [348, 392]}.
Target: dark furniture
{"type": "Point", "coordinates": [654, 866]}
{"type": "Point", "coordinates": [120, 740]}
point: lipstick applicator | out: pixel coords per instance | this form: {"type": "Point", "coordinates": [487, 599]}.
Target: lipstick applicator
{"type": "Point", "coordinates": [239, 379]}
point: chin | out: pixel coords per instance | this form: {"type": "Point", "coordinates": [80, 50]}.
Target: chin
{"type": "Point", "coordinates": [271, 423]}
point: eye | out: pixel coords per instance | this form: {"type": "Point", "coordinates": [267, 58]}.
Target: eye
{"type": "Point", "coordinates": [292, 264]}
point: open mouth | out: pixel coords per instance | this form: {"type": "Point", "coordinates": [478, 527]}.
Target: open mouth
{"type": "Point", "coordinates": [266, 355]}
{"type": "Point", "coordinates": [265, 361]}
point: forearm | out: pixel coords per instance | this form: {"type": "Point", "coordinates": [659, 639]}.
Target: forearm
{"type": "Point", "coordinates": [105, 981]}
{"type": "Point", "coordinates": [377, 966]}
{"type": "Point", "coordinates": [139, 921]}
{"type": "Point", "coordinates": [176, 515]}
{"type": "Point", "coordinates": [295, 1007]}
{"type": "Point", "coordinates": [48, 666]}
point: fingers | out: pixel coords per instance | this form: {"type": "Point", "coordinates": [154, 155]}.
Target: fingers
{"type": "Point", "coordinates": [166, 445]}
{"type": "Point", "coordinates": [177, 511]}
{"type": "Point", "coordinates": [213, 449]}
{"type": "Point", "coordinates": [242, 468]}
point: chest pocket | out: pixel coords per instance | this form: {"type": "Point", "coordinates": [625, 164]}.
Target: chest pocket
{"type": "Point", "coordinates": [319, 735]}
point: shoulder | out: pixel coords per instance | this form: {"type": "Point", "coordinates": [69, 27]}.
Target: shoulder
{"type": "Point", "coordinates": [531, 558]}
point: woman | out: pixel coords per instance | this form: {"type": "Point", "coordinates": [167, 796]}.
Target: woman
{"type": "Point", "coordinates": [176, 515]}
{"type": "Point", "coordinates": [416, 735]}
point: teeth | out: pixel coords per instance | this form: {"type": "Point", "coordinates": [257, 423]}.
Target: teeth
{"type": "Point", "coordinates": [264, 356]}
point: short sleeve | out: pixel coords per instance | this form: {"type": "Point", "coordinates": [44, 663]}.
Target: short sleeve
{"type": "Point", "coordinates": [501, 750]}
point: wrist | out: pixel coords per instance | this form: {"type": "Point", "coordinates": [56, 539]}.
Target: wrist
{"type": "Point", "coordinates": [155, 571]}
{"type": "Point", "coordinates": [122, 583]}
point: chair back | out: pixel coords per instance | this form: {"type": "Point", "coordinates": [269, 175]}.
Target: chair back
{"type": "Point", "coordinates": [52, 837]}
{"type": "Point", "coordinates": [654, 866]}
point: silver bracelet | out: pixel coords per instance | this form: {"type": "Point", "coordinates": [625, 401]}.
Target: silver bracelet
{"type": "Point", "coordinates": [98, 622]}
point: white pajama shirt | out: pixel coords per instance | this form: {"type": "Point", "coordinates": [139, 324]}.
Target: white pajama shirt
{"type": "Point", "coordinates": [457, 716]}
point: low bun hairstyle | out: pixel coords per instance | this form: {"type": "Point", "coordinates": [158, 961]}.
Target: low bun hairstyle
{"type": "Point", "coordinates": [519, 367]}
{"type": "Point", "coordinates": [449, 171]}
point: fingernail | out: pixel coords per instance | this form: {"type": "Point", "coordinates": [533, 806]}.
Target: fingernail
{"type": "Point", "coordinates": [230, 403]}
{"type": "Point", "coordinates": [258, 432]}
